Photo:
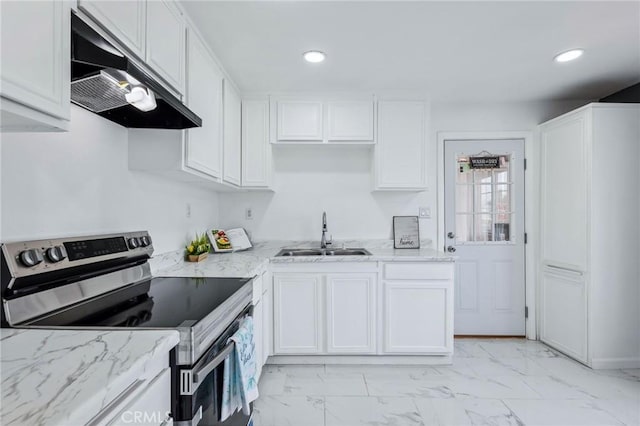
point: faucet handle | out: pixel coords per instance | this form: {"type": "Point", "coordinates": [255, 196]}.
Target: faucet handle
{"type": "Point", "coordinates": [330, 240]}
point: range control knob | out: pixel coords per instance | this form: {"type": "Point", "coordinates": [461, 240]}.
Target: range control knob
{"type": "Point", "coordinates": [56, 254]}
{"type": "Point", "coordinates": [145, 241]}
{"type": "Point", "coordinates": [133, 243]}
{"type": "Point", "coordinates": [31, 257]}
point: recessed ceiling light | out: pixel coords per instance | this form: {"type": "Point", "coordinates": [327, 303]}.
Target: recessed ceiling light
{"type": "Point", "coordinates": [314, 56]}
{"type": "Point", "coordinates": [569, 55]}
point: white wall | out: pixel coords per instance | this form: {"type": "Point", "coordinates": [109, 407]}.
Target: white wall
{"type": "Point", "coordinates": [310, 179]}
{"type": "Point", "coordinates": [78, 183]}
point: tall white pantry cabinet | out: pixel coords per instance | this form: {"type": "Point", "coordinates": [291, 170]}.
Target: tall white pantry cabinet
{"type": "Point", "coordinates": [590, 234]}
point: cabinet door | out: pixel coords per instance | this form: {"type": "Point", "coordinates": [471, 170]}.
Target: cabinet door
{"type": "Point", "coordinates": [125, 20]}
{"type": "Point", "coordinates": [564, 192]}
{"type": "Point", "coordinates": [563, 321]}
{"type": "Point", "coordinates": [256, 150]}
{"type": "Point", "coordinates": [36, 60]}
{"type": "Point", "coordinates": [297, 314]}
{"type": "Point", "coordinates": [350, 120]}
{"type": "Point", "coordinates": [267, 317]}
{"type": "Point", "coordinates": [165, 42]}
{"type": "Point", "coordinates": [400, 149]}
{"type": "Point", "coordinates": [299, 120]}
{"type": "Point", "coordinates": [204, 97]}
{"type": "Point", "coordinates": [417, 317]}
{"type": "Point", "coordinates": [351, 313]}
{"type": "Point", "coordinates": [232, 133]}
{"type": "Point", "coordinates": [154, 403]}
{"type": "Point", "coordinates": [258, 330]}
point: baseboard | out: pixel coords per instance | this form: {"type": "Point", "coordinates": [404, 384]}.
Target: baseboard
{"type": "Point", "coordinates": [361, 359]}
{"type": "Point", "coordinates": [614, 363]}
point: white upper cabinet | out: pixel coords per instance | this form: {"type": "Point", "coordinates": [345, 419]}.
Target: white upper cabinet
{"type": "Point", "coordinates": [125, 20]}
{"type": "Point", "coordinates": [204, 97]}
{"type": "Point", "coordinates": [256, 151]}
{"type": "Point", "coordinates": [350, 120]}
{"type": "Point", "coordinates": [232, 135]}
{"type": "Point", "coordinates": [401, 146]}
{"type": "Point", "coordinates": [35, 72]}
{"type": "Point", "coordinates": [322, 119]}
{"type": "Point", "coordinates": [165, 42]}
{"type": "Point", "coordinates": [564, 195]}
{"type": "Point", "coordinates": [299, 120]}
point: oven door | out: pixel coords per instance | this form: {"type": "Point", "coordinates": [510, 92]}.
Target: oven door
{"type": "Point", "coordinates": [199, 388]}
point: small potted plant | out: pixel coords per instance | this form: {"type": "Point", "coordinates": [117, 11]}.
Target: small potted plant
{"type": "Point", "coordinates": [198, 249]}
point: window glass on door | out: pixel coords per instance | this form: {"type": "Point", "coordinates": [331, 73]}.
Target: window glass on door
{"type": "Point", "coordinates": [483, 200]}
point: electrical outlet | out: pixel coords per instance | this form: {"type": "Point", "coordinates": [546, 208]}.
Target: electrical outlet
{"type": "Point", "coordinates": [248, 213]}
{"type": "Point", "coordinates": [188, 210]}
{"type": "Point", "coordinates": [424, 212]}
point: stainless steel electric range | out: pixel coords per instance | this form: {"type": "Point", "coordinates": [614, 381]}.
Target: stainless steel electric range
{"type": "Point", "coordinates": [105, 281]}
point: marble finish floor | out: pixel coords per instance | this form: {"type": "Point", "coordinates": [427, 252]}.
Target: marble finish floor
{"type": "Point", "coordinates": [491, 382]}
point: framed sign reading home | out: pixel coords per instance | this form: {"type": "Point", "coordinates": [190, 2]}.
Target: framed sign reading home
{"type": "Point", "coordinates": [406, 232]}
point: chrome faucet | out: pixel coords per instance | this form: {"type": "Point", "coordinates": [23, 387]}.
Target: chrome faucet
{"type": "Point", "coordinates": [323, 241]}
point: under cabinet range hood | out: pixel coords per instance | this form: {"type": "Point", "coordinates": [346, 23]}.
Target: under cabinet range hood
{"type": "Point", "coordinates": [106, 82]}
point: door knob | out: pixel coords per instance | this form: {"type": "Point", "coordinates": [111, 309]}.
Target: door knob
{"type": "Point", "coordinates": [451, 235]}
{"type": "Point", "coordinates": [451, 249]}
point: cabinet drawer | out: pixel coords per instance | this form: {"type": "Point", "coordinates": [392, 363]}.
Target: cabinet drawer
{"type": "Point", "coordinates": [418, 271]}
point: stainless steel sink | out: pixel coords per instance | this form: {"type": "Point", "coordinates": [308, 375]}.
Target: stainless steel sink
{"type": "Point", "coordinates": [323, 252]}
{"type": "Point", "coordinates": [300, 252]}
{"type": "Point", "coordinates": [347, 252]}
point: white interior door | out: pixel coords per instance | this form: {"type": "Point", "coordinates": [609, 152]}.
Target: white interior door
{"type": "Point", "coordinates": [484, 227]}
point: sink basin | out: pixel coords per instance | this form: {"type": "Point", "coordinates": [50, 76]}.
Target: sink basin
{"type": "Point", "coordinates": [300, 252]}
{"type": "Point", "coordinates": [323, 252]}
{"type": "Point", "coordinates": [348, 252]}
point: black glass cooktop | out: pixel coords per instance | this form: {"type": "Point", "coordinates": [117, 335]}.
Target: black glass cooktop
{"type": "Point", "coordinates": [159, 302]}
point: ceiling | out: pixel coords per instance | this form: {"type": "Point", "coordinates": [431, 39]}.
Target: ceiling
{"type": "Point", "coordinates": [456, 51]}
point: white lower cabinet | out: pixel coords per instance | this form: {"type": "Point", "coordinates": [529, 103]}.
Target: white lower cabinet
{"type": "Point", "coordinates": [351, 313]}
{"type": "Point", "coordinates": [416, 317]}
{"type": "Point", "coordinates": [418, 307]}
{"type": "Point", "coordinates": [146, 403]}
{"type": "Point", "coordinates": [267, 316]}
{"type": "Point", "coordinates": [258, 327]}
{"type": "Point", "coordinates": [297, 314]}
{"type": "Point", "coordinates": [564, 325]}
{"type": "Point", "coordinates": [318, 313]}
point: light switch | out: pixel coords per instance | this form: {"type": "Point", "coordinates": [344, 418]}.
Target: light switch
{"type": "Point", "coordinates": [424, 212]}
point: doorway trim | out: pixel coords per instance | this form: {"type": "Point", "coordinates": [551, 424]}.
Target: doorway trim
{"type": "Point", "coordinates": [531, 198]}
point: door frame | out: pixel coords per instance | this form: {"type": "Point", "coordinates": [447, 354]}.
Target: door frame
{"type": "Point", "coordinates": [531, 198]}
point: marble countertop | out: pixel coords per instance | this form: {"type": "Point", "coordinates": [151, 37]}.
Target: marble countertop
{"type": "Point", "coordinates": [66, 377]}
{"type": "Point", "coordinates": [255, 260]}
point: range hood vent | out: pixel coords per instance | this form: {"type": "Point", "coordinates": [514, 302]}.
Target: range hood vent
{"type": "Point", "coordinates": [102, 77]}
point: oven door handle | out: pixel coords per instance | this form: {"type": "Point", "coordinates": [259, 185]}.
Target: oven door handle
{"type": "Point", "coordinates": [202, 372]}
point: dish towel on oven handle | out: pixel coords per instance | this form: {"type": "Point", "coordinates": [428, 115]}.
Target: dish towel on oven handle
{"type": "Point", "coordinates": [240, 384]}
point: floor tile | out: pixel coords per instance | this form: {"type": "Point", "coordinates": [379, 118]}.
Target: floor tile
{"type": "Point", "coordinates": [461, 412]}
{"type": "Point", "coordinates": [326, 384]}
{"type": "Point", "coordinates": [521, 366]}
{"type": "Point", "coordinates": [491, 381]}
{"type": "Point", "coordinates": [625, 410]}
{"type": "Point", "coordinates": [289, 411]}
{"type": "Point", "coordinates": [426, 388]}
{"type": "Point", "coordinates": [497, 387]}
{"type": "Point", "coordinates": [560, 412]}
{"type": "Point", "coordinates": [372, 411]}
{"type": "Point", "coordinates": [550, 387]}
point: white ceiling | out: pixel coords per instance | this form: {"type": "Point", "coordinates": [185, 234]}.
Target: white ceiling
{"type": "Point", "coordinates": [458, 51]}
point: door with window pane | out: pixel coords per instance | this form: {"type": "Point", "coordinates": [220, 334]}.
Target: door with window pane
{"type": "Point", "coordinates": [484, 226]}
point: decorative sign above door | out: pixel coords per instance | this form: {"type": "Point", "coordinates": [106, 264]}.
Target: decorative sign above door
{"type": "Point", "coordinates": [492, 162]}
